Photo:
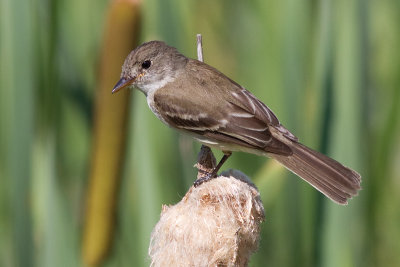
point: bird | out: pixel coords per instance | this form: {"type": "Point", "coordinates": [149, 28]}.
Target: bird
{"type": "Point", "coordinates": [197, 99]}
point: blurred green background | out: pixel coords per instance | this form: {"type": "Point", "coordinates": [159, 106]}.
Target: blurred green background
{"type": "Point", "coordinates": [330, 70]}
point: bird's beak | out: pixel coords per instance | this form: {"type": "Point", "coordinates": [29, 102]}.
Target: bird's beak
{"type": "Point", "coordinates": [122, 83]}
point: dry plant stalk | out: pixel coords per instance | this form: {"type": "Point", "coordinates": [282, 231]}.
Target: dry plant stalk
{"type": "Point", "coordinates": [215, 224]}
{"type": "Point", "coordinates": [120, 37]}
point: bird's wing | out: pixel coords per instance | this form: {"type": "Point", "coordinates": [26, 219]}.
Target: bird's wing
{"type": "Point", "coordinates": [232, 116]}
{"type": "Point", "coordinates": [251, 105]}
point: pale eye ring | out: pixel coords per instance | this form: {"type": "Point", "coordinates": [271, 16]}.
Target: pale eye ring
{"type": "Point", "coordinates": [146, 64]}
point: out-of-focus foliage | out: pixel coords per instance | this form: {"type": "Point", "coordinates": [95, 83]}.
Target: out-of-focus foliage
{"type": "Point", "coordinates": [329, 69]}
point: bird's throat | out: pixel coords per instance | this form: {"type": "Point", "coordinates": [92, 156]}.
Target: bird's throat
{"type": "Point", "coordinates": [149, 87]}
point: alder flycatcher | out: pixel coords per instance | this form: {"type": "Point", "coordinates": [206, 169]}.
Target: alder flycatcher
{"type": "Point", "coordinates": [198, 100]}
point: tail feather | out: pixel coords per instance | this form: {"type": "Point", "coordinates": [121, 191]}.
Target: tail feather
{"type": "Point", "coordinates": [331, 178]}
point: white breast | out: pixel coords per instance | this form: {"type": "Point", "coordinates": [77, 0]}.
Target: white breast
{"type": "Point", "coordinates": [149, 87]}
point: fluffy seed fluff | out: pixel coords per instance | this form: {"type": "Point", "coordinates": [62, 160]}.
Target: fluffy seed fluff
{"type": "Point", "coordinates": [215, 224]}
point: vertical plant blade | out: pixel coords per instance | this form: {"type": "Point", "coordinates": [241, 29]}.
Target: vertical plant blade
{"type": "Point", "coordinates": [17, 110]}
{"type": "Point", "coordinates": [341, 224]}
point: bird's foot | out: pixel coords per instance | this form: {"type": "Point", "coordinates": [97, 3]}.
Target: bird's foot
{"type": "Point", "coordinates": [211, 175]}
{"type": "Point", "coordinates": [207, 177]}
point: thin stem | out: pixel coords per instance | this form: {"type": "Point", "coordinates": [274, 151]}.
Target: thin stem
{"type": "Point", "coordinates": [200, 47]}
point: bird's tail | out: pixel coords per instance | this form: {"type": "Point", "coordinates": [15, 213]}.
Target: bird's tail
{"type": "Point", "coordinates": [331, 178]}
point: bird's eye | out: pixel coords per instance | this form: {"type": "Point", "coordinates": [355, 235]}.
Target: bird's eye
{"type": "Point", "coordinates": [146, 64]}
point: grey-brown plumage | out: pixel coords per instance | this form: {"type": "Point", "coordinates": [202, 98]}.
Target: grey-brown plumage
{"type": "Point", "coordinates": [197, 99]}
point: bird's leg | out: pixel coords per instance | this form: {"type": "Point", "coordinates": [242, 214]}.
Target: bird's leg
{"type": "Point", "coordinates": [227, 154]}
{"type": "Point", "coordinates": [213, 174]}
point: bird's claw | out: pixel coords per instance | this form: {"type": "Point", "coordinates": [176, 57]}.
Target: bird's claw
{"type": "Point", "coordinates": [205, 178]}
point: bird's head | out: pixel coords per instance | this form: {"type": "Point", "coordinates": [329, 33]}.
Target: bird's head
{"type": "Point", "coordinates": [150, 66]}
